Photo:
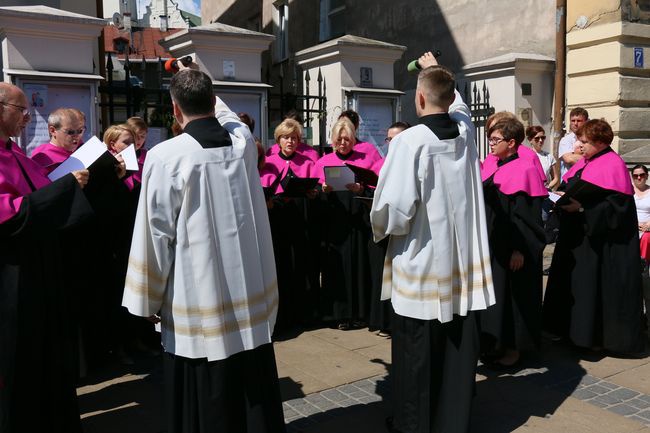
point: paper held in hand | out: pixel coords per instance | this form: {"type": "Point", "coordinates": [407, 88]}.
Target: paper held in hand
{"type": "Point", "coordinates": [81, 159]}
{"type": "Point", "coordinates": [130, 158]}
{"type": "Point", "coordinates": [337, 177]}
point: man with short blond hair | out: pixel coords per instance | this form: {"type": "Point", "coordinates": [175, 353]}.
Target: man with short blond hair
{"type": "Point", "coordinates": [567, 151]}
{"type": "Point", "coordinates": [437, 273]}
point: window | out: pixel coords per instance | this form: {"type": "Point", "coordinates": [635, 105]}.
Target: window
{"type": "Point", "coordinates": [332, 19]}
{"type": "Point", "coordinates": [281, 26]}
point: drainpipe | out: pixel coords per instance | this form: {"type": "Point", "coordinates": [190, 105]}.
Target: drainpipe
{"type": "Point", "coordinates": [560, 73]}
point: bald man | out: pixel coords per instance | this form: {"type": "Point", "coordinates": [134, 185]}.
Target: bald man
{"type": "Point", "coordinates": [37, 338]}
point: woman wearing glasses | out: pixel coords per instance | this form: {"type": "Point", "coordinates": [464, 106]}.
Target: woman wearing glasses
{"type": "Point", "coordinates": [642, 201]}
{"type": "Point", "coordinates": [593, 294]}
{"type": "Point", "coordinates": [513, 193]}
{"type": "Point", "coordinates": [537, 137]}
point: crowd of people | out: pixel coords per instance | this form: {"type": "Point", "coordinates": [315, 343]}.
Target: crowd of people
{"type": "Point", "coordinates": [227, 245]}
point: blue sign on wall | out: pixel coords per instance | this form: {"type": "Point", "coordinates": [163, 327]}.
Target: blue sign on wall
{"type": "Point", "coordinates": [638, 57]}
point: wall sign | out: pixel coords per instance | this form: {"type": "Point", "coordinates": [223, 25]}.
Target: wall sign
{"type": "Point", "coordinates": [638, 57]}
{"type": "Point", "coordinates": [366, 77]}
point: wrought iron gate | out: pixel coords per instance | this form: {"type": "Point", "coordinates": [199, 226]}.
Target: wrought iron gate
{"type": "Point", "coordinates": [478, 101]}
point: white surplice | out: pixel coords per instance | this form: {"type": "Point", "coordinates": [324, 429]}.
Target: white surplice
{"type": "Point", "coordinates": [202, 254]}
{"type": "Point", "coordinates": [429, 199]}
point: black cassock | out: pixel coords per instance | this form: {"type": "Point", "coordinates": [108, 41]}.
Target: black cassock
{"type": "Point", "coordinates": [38, 327]}
{"type": "Point", "coordinates": [514, 223]}
{"type": "Point", "coordinates": [594, 293]}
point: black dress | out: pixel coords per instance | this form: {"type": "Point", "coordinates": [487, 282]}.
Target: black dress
{"type": "Point", "coordinates": [514, 223]}
{"type": "Point", "coordinates": [38, 327]}
{"type": "Point", "coordinates": [593, 294]}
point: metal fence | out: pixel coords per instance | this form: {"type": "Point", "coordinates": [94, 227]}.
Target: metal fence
{"type": "Point", "coordinates": [478, 101]}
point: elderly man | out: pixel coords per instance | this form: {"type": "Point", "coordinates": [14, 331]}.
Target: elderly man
{"type": "Point", "coordinates": [568, 150]}
{"type": "Point", "coordinates": [437, 273]}
{"type": "Point", "coordinates": [66, 127]}
{"type": "Point", "coordinates": [202, 260]}
{"type": "Point", "coordinates": [37, 335]}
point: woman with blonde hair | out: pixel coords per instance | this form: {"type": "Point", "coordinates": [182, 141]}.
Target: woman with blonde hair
{"type": "Point", "coordinates": [346, 277]}
{"type": "Point", "coordinates": [288, 211]}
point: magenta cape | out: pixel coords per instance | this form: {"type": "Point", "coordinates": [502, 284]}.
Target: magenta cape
{"type": "Point", "coordinates": [50, 156]}
{"type": "Point", "coordinates": [13, 186]}
{"type": "Point", "coordinates": [607, 171]}
{"type": "Point", "coordinates": [518, 175]}
{"type": "Point", "coordinates": [136, 178]}
{"type": "Point", "coordinates": [490, 162]}
{"type": "Point", "coordinates": [369, 149]}
{"type": "Point", "coordinates": [276, 168]}
{"type": "Point", "coordinates": [331, 160]}
{"type": "Point", "coordinates": [302, 148]}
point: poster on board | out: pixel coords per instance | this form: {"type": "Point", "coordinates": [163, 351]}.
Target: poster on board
{"type": "Point", "coordinates": [376, 114]}
{"type": "Point", "coordinates": [46, 97]}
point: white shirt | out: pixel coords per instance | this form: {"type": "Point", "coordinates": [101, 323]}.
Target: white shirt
{"type": "Point", "coordinates": [201, 251]}
{"type": "Point", "coordinates": [429, 199]}
{"type": "Point", "coordinates": [547, 160]}
{"type": "Point", "coordinates": [565, 146]}
{"type": "Point", "coordinates": [642, 207]}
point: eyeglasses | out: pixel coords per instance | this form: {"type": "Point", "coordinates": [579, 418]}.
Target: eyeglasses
{"type": "Point", "coordinates": [73, 131]}
{"type": "Point", "coordinates": [24, 110]}
{"type": "Point", "coordinates": [540, 138]}
{"type": "Point", "coordinates": [639, 175]}
{"type": "Point", "coordinates": [496, 140]}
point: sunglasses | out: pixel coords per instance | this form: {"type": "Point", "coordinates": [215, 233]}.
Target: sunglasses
{"type": "Point", "coordinates": [73, 131]}
{"type": "Point", "coordinates": [639, 175]}
{"type": "Point", "coordinates": [540, 138]}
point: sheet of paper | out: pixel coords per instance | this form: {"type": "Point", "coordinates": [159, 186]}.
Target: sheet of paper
{"type": "Point", "coordinates": [80, 159]}
{"type": "Point", "coordinates": [338, 177]}
{"type": "Point", "coordinates": [130, 158]}
{"type": "Point", "coordinates": [553, 196]}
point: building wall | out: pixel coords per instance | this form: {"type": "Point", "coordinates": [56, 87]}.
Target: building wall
{"type": "Point", "coordinates": [601, 72]}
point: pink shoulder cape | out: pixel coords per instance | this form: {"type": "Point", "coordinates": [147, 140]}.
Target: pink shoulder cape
{"type": "Point", "coordinates": [302, 148]}
{"type": "Point", "coordinates": [519, 175]}
{"type": "Point", "coordinates": [276, 168]}
{"type": "Point", "coordinates": [13, 185]}
{"type": "Point", "coordinates": [50, 156]}
{"type": "Point", "coordinates": [607, 171]}
{"type": "Point", "coordinates": [490, 162]}
{"type": "Point", "coordinates": [357, 158]}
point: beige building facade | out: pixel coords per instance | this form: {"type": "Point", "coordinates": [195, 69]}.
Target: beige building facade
{"type": "Point", "coordinates": [608, 69]}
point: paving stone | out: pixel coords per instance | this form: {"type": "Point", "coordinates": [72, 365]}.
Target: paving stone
{"type": "Point", "coordinates": [609, 385]}
{"type": "Point", "coordinates": [358, 394]}
{"type": "Point", "coordinates": [583, 394]}
{"type": "Point", "coordinates": [638, 403]}
{"type": "Point", "coordinates": [644, 397]}
{"type": "Point", "coordinates": [645, 415]}
{"type": "Point", "coordinates": [623, 409]}
{"type": "Point", "coordinates": [347, 389]}
{"type": "Point", "coordinates": [333, 395]}
{"type": "Point", "coordinates": [588, 379]}
{"type": "Point", "coordinates": [638, 419]}
{"type": "Point", "coordinates": [370, 399]}
{"type": "Point", "coordinates": [623, 394]}
{"type": "Point", "coordinates": [597, 389]}
{"type": "Point", "coordinates": [598, 404]}
{"type": "Point", "coordinates": [325, 405]}
{"type": "Point", "coordinates": [293, 402]}
{"type": "Point", "coordinates": [307, 409]}
{"type": "Point", "coordinates": [606, 399]}
{"type": "Point", "coordinates": [315, 399]}
{"type": "Point", "coordinates": [290, 413]}
{"type": "Point", "coordinates": [346, 403]}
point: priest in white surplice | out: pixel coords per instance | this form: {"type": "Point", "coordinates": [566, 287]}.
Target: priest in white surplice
{"type": "Point", "coordinates": [429, 200]}
{"type": "Point", "coordinates": [202, 260]}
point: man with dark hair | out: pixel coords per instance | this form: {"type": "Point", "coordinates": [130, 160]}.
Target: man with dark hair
{"type": "Point", "coordinates": [437, 272]}
{"type": "Point", "coordinates": [395, 129]}
{"type": "Point", "coordinates": [202, 263]}
{"type": "Point", "coordinates": [568, 149]}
